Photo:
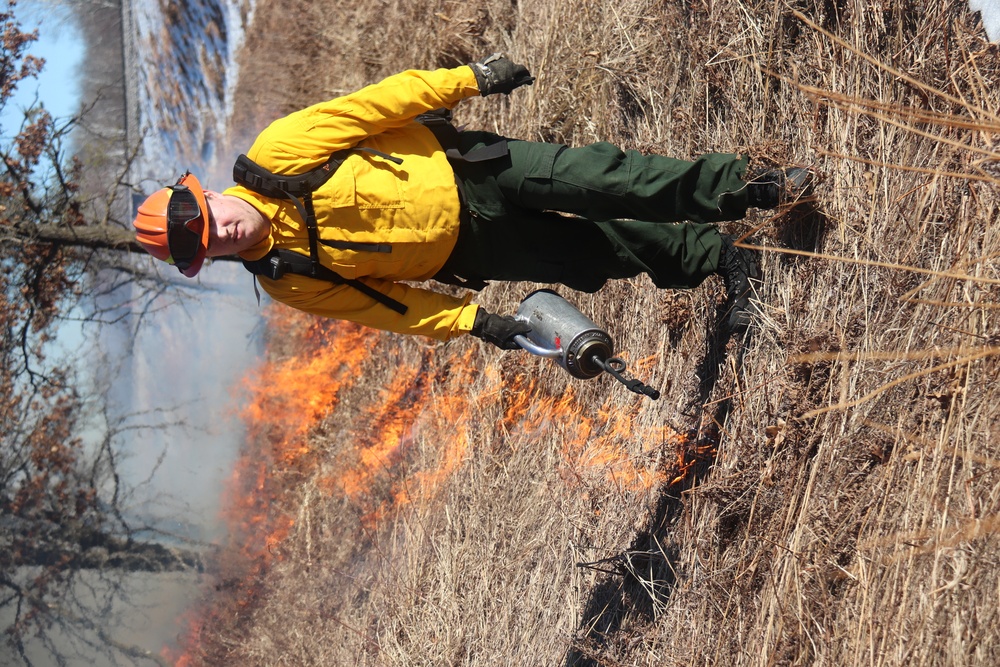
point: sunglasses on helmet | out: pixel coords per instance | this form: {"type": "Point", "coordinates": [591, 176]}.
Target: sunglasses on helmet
{"type": "Point", "coordinates": [184, 226]}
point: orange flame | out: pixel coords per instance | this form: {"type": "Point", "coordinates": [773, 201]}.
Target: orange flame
{"type": "Point", "coordinates": [403, 413]}
{"type": "Point", "coordinates": [412, 438]}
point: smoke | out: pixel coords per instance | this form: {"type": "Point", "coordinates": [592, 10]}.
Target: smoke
{"type": "Point", "coordinates": [146, 612]}
{"type": "Point", "coordinates": [170, 373]}
{"type": "Point", "coordinates": [184, 377]}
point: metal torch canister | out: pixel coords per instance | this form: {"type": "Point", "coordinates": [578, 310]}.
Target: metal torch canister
{"type": "Point", "coordinates": [561, 332]}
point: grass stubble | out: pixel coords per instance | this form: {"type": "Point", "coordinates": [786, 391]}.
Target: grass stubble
{"type": "Point", "coordinates": [827, 493]}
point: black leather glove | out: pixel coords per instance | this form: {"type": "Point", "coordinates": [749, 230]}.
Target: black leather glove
{"type": "Point", "coordinates": [498, 74]}
{"type": "Point", "coordinates": [498, 329]}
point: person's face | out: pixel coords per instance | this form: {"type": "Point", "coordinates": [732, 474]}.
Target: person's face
{"type": "Point", "coordinates": [234, 225]}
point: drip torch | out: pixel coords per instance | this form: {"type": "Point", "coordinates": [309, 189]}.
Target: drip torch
{"type": "Point", "coordinates": [561, 332]}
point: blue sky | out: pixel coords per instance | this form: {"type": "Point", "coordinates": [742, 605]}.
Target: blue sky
{"type": "Point", "coordinates": [60, 44]}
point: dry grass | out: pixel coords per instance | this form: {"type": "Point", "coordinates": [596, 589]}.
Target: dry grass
{"type": "Point", "coordinates": [839, 493]}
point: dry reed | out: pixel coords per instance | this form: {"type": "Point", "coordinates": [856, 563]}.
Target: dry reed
{"type": "Point", "coordinates": [826, 494]}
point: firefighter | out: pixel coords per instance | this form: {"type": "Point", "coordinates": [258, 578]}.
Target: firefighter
{"type": "Point", "coordinates": [401, 199]}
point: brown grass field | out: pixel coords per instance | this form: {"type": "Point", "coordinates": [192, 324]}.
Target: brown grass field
{"type": "Point", "coordinates": [826, 493]}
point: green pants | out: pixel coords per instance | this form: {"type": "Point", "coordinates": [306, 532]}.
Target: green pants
{"type": "Point", "coordinates": [579, 216]}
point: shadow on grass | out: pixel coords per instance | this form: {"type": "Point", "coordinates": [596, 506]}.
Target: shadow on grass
{"type": "Point", "coordinates": [640, 580]}
{"type": "Point", "coordinates": [802, 228]}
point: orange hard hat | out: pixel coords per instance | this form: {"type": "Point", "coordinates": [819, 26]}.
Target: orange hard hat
{"type": "Point", "coordinates": [172, 225]}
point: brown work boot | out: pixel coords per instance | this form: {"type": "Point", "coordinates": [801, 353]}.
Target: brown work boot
{"type": "Point", "coordinates": [780, 187]}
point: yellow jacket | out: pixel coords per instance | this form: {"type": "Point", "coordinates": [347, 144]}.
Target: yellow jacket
{"type": "Point", "coordinates": [413, 206]}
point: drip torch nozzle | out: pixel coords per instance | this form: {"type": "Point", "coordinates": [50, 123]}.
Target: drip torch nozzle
{"type": "Point", "coordinates": [615, 367]}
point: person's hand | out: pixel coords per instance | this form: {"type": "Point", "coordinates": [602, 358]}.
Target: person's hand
{"type": "Point", "coordinates": [499, 330]}
{"type": "Point", "coordinates": [499, 74]}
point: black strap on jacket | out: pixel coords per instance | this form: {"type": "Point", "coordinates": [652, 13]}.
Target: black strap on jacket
{"type": "Point", "coordinates": [299, 190]}
{"type": "Point", "coordinates": [280, 261]}
{"type": "Point", "coordinates": [439, 122]}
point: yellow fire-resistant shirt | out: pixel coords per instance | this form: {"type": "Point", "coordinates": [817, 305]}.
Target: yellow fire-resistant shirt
{"type": "Point", "coordinates": [413, 206]}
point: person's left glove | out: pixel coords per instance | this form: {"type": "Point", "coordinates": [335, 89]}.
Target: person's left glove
{"type": "Point", "coordinates": [499, 329]}
{"type": "Point", "coordinates": [499, 74]}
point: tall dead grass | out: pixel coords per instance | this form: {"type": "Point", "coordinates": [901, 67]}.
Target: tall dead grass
{"type": "Point", "coordinates": [846, 510]}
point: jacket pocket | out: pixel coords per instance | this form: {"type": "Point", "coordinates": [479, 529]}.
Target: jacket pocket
{"type": "Point", "coordinates": [377, 183]}
{"type": "Point", "coordinates": [338, 192]}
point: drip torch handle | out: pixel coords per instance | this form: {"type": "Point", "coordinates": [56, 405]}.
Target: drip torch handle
{"type": "Point", "coordinates": [537, 350]}
{"type": "Point", "coordinates": [615, 367]}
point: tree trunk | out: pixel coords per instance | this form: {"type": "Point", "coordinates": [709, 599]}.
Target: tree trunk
{"type": "Point", "coordinates": [95, 237]}
{"type": "Point", "coordinates": [95, 550]}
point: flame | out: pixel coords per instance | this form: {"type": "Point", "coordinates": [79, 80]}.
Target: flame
{"type": "Point", "coordinates": [285, 400]}
{"type": "Point", "coordinates": [405, 411]}
{"type": "Point", "coordinates": [406, 444]}
{"type": "Point", "coordinates": [611, 446]}
{"type": "Point", "coordinates": [599, 449]}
